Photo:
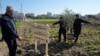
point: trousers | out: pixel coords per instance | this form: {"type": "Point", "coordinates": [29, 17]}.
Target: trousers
{"type": "Point", "coordinates": [12, 46]}
{"type": "Point", "coordinates": [62, 31]}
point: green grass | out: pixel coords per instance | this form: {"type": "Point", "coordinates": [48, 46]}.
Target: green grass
{"type": "Point", "coordinates": [89, 39]}
{"type": "Point", "coordinates": [19, 24]}
{"type": "Point", "coordinates": [44, 20]}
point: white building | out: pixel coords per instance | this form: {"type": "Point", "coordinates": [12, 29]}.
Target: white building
{"type": "Point", "coordinates": [22, 16]}
{"type": "Point", "coordinates": [56, 15]}
{"type": "Point", "coordinates": [19, 16]}
{"type": "Point", "coordinates": [16, 15]}
{"type": "Point", "coordinates": [98, 16]}
{"type": "Point", "coordinates": [49, 14]}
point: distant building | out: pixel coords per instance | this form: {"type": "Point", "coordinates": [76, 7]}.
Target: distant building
{"type": "Point", "coordinates": [41, 16]}
{"type": "Point", "coordinates": [31, 15]}
{"type": "Point", "coordinates": [85, 17]}
{"type": "Point", "coordinates": [56, 15]}
{"type": "Point", "coordinates": [16, 15]}
{"type": "Point", "coordinates": [22, 16]}
{"type": "Point", "coordinates": [19, 16]}
{"type": "Point", "coordinates": [49, 14]}
{"type": "Point", "coordinates": [98, 16]}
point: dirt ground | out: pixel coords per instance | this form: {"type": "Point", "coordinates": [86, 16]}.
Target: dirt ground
{"type": "Point", "coordinates": [88, 44]}
{"type": "Point", "coordinates": [3, 49]}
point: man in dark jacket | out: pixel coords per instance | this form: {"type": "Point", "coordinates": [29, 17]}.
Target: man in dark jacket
{"type": "Point", "coordinates": [9, 32]}
{"type": "Point", "coordinates": [62, 28]}
{"type": "Point", "coordinates": [77, 27]}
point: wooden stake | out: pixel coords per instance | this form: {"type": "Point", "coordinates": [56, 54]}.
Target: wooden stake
{"type": "Point", "coordinates": [46, 51]}
{"type": "Point", "coordinates": [36, 46]}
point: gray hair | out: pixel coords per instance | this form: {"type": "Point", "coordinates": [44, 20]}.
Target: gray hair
{"type": "Point", "coordinates": [8, 8]}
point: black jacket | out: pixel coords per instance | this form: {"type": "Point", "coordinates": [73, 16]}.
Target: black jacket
{"type": "Point", "coordinates": [8, 27]}
{"type": "Point", "coordinates": [61, 24]}
{"type": "Point", "coordinates": [78, 24]}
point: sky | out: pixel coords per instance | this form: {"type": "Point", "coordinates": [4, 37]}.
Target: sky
{"type": "Point", "coordinates": [55, 6]}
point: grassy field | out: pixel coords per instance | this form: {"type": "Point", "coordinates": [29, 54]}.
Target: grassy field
{"type": "Point", "coordinates": [87, 45]}
{"type": "Point", "coordinates": [45, 20]}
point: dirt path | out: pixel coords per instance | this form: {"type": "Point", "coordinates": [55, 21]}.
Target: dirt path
{"type": "Point", "coordinates": [3, 49]}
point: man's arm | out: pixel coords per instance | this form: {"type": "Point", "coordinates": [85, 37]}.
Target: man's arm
{"type": "Point", "coordinates": [84, 21]}
{"type": "Point", "coordinates": [56, 23]}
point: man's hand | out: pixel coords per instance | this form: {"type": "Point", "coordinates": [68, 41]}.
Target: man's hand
{"type": "Point", "coordinates": [20, 38]}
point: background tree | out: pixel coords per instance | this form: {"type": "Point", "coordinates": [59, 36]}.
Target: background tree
{"type": "Point", "coordinates": [69, 18]}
